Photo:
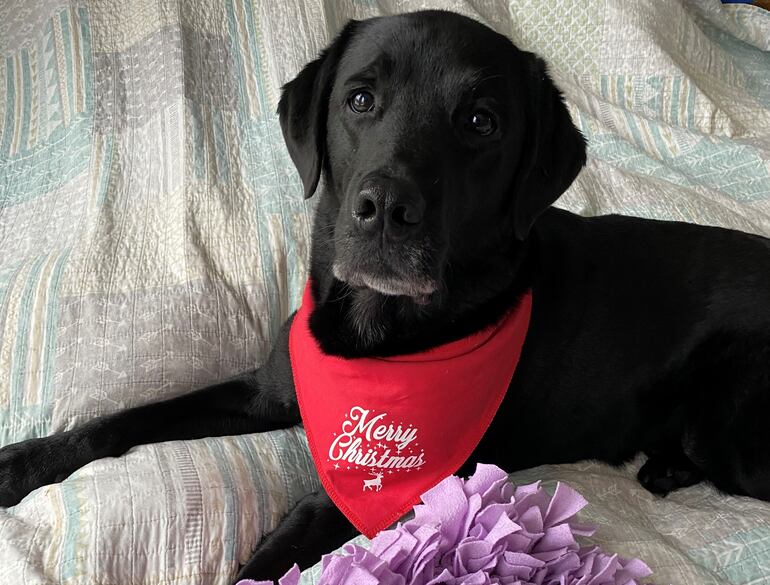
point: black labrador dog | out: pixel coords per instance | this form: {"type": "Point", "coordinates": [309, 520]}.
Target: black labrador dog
{"type": "Point", "coordinates": [441, 147]}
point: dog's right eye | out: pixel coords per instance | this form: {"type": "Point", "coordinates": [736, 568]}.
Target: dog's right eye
{"type": "Point", "coordinates": [361, 102]}
{"type": "Point", "coordinates": [482, 123]}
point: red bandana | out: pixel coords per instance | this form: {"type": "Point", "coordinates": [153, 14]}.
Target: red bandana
{"type": "Point", "coordinates": [384, 430]}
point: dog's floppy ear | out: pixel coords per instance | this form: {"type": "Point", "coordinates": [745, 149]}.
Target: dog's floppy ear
{"type": "Point", "coordinates": [553, 151]}
{"type": "Point", "coordinates": [303, 108]}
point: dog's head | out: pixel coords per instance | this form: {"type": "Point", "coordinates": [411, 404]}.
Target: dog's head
{"type": "Point", "coordinates": [439, 143]}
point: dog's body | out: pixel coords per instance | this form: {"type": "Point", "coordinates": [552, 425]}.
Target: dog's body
{"type": "Point", "coordinates": [644, 336]}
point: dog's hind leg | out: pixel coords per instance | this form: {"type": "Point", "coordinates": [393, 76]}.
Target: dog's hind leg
{"type": "Point", "coordinates": [667, 470]}
{"type": "Point", "coordinates": [726, 433]}
{"type": "Point", "coordinates": [737, 453]}
{"type": "Point", "coordinates": [313, 528]}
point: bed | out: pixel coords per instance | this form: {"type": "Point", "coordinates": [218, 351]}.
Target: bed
{"type": "Point", "coordinates": [153, 237]}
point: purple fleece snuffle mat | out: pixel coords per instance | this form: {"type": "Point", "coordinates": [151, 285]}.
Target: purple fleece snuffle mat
{"type": "Point", "coordinates": [482, 531]}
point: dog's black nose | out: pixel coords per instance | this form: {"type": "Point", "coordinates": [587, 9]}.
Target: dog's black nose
{"type": "Point", "coordinates": [390, 204]}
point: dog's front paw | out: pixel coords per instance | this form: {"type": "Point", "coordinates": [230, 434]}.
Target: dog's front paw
{"type": "Point", "coordinates": [264, 565]}
{"type": "Point", "coordinates": [28, 465]}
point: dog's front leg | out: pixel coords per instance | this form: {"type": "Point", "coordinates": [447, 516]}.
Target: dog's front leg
{"type": "Point", "coordinates": [262, 400]}
{"type": "Point", "coordinates": [313, 528]}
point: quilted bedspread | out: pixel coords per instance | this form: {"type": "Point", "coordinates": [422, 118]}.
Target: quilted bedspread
{"type": "Point", "coordinates": [153, 236]}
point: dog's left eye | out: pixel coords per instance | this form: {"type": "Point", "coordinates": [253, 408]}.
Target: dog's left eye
{"type": "Point", "coordinates": [361, 102]}
{"type": "Point", "coordinates": [482, 122]}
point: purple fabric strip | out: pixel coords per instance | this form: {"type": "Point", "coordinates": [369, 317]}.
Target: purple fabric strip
{"type": "Point", "coordinates": [482, 531]}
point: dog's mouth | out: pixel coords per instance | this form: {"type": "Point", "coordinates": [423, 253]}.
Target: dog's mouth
{"type": "Point", "coordinates": [419, 288]}
{"type": "Point", "coordinates": [409, 269]}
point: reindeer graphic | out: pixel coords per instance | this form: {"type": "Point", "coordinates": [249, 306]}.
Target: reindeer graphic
{"type": "Point", "coordinates": [373, 484]}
